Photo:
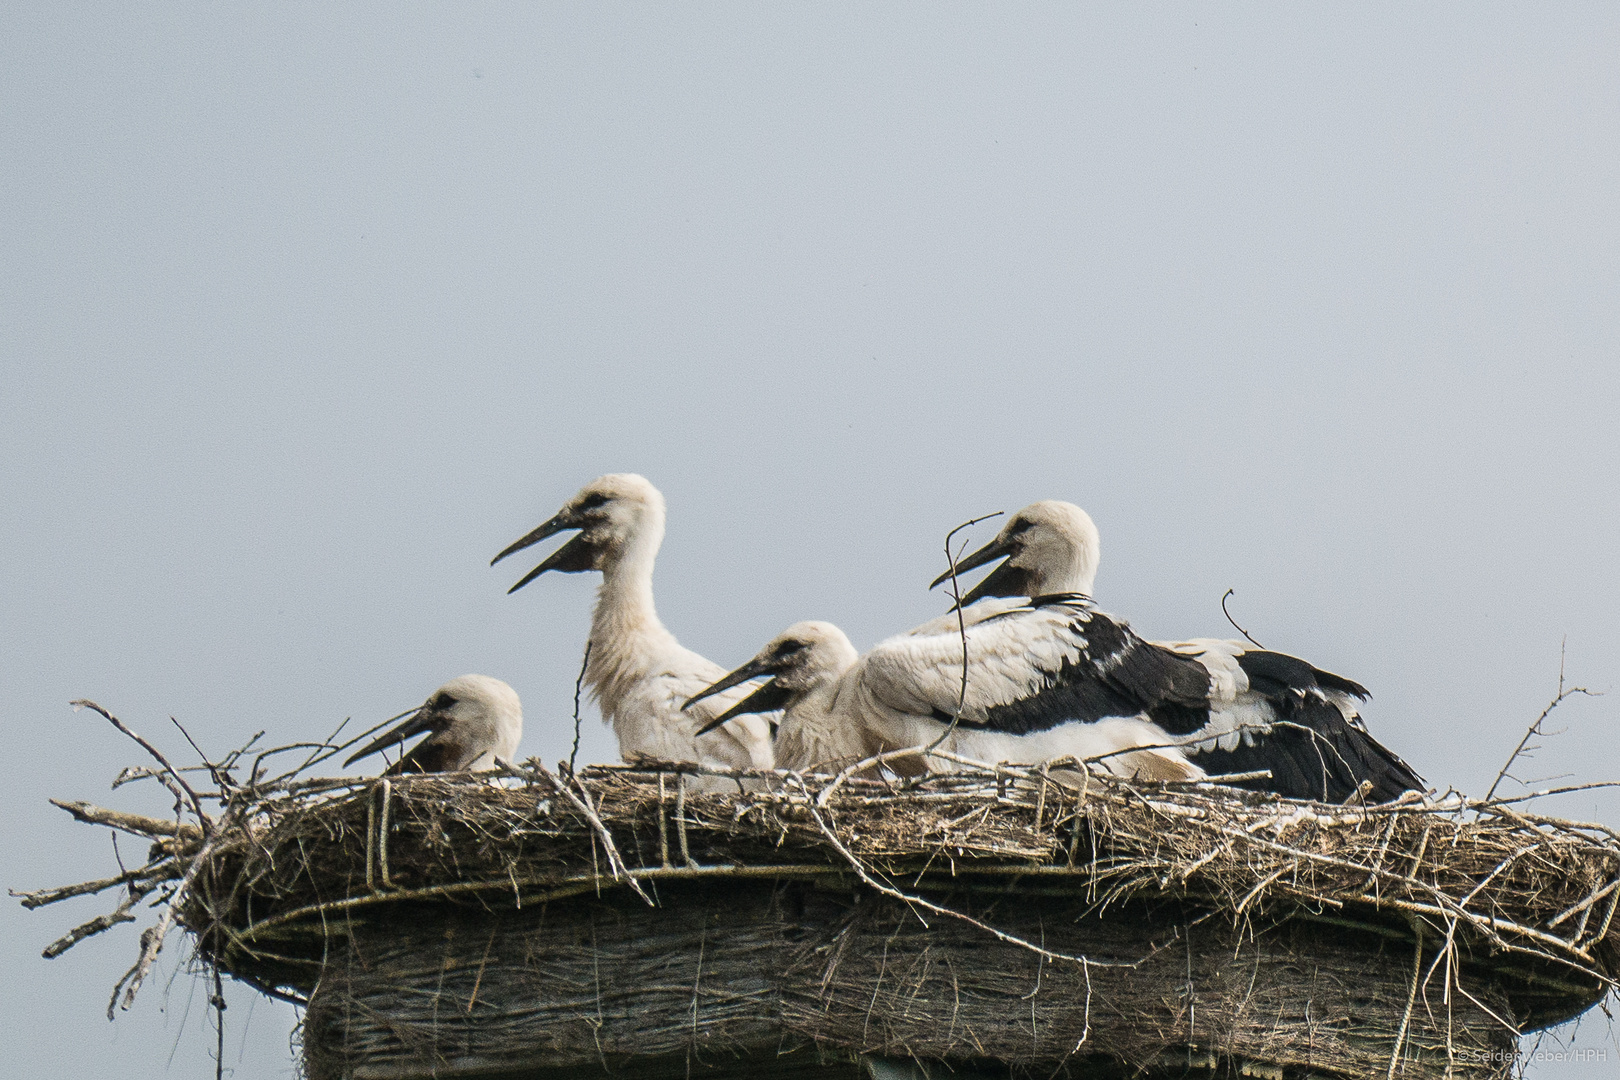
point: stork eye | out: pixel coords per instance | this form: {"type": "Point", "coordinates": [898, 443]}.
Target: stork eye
{"type": "Point", "coordinates": [788, 648]}
{"type": "Point", "coordinates": [442, 703]}
{"type": "Point", "coordinates": [592, 501]}
{"type": "Point", "coordinates": [1020, 526]}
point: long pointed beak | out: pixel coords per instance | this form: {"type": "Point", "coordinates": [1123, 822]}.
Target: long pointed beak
{"type": "Point", "coordinates": [576, 555]}
{"type": "Point", "coordinates": [572, 557]}
{"type": "Point", "coordinates": [421, 720]}
{"type": "Point", "coordinates": [992, 551]}
{"type": "Point", "coordinates": [768, 698]}
{"type": "Point", "coordinates": [1004, 580]}
{"type": "Point", "coordinates": [752, 670]}
{"type": "Point", "coordinates": [551, 527]}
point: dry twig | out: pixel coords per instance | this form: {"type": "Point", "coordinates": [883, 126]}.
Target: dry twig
{"type": "Point", "coordinates": [1534, 730]}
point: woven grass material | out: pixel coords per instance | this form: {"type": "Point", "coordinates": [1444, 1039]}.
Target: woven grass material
{"type": "Point", "coordinates": [451, 925]}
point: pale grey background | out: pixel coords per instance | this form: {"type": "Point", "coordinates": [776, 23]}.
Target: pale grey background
{"type": "Point", "coordinates": [308, 312]}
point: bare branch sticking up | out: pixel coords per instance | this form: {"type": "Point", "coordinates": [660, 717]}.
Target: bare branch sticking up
{"type": "Point", "coordinates": [191, 794]}
{"type": "Point", "coordinates": [1534, 731]}
{"type": "Point", "coordinates": [961, 623]}
{"type": "Point", "coordinates": [1234, 622]}
{"type": "Point", "coordinates": [579, 683]}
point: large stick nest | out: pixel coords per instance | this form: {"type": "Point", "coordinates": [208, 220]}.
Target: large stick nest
{"type": "Point", "coordinates": [459, 926]}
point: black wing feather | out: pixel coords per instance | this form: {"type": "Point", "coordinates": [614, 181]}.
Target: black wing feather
{"type": "Point", "coordinates": [1313, 751]}
{"type": "Point", "coordinates": [1117, 674]}
{"type": "Point", "coordinates": [1074, 695]}
{"type": "Point", "coordinates": [1273, 672]}
{"type": "Point", "coordinates": [1173, 688]}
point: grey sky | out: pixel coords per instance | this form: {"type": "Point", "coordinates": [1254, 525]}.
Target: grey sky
{"type": "Point", "coordinates": [308, 312]}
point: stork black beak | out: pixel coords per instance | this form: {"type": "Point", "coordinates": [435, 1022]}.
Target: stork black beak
{"type": "Point", "coordinates": [768, 698]}
{"type": "Point", "coordinates": [423, 719]}
{"type": "Point", "coordinates": [1004, 580]}
{"type": "Point", "coordinates": [992, 551]}
{"type": "Point", "coordinates": [554, 525]}
{"type": "Point", "coordinates": [574, 556]}
{"type": "Point", "coordinates": [759, 665]}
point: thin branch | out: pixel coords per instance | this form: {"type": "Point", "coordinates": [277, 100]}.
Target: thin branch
{"type": "Point", "coordinates": [1593, 897]}
{"type": "Point", "coordinates": [332, 746]}
{"type": "Point", "coordinates": [271, 991]}
{"type": "Point", "coordinates": [120, 914]}
{"type": "Point", "coordinates": [907, 898]}
{"type": "Point", "coordinates": [236, 755]}
{"type": "Point", "coordinates": [579, 683]}
{"type": "Point", "coordinates": [1411, 999]}
{"type": "Point", "coordinates": [131, 773]}
{"type": "Point", "coordinates": [328, 750]}
{"type": "Point", "coordinates": [196, 803]}
{"type": "Point", "coordinates": [139, 824]}
{"type": "Point", "coordinates": [1534, 730]}
{"type": "Point", "coordinates": [217, 1000]}
{"type": "Point", "coordinates": [152, 937]}
{"type": "Point", "coordinates": [961, 622]}
{"type": "Point", "coordinates": [220, 780]}
{"type": "Point", "coordinates": [1234, 622]}
{"type": "Point", "coordinates": [883, 758]}
{"type": "Point", "coordinates": [615, 864]}
{"type": "Point", "coordinates": [158, 871]}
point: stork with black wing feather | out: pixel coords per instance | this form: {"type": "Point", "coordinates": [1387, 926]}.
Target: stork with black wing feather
{"type": "Point", "coordinates": [1229, 707]}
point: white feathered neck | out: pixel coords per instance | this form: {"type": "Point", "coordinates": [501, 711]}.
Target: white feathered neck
{"type": "Point", "coordinates": [628, 642]}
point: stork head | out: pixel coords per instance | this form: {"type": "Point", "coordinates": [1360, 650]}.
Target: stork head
{"type": "Point", "coordinates": [799, 659]}
{"type": "Point", "coordinates": [1048, 547]}
{"type": "Point", "coordinates": [615, 514]}
{"type": "Point", "coordinates": [477, 718]}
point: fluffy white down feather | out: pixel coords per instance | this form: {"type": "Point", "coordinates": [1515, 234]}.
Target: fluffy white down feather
{"type": "Point", "coordinates": [472, 720]}
{"type": "Point", "coordinates": [816, 732]}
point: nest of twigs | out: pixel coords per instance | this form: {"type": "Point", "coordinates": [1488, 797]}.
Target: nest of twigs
{"type": "Point", "coordinates": [991, 919]}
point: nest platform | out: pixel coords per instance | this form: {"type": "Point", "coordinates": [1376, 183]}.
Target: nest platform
{"type": "Point", "coordinates": [988, 922]}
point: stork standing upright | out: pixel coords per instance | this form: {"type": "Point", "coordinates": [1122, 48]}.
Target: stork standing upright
{"type": "Point", "coordinates": [637, 672]}
{"type": "Point", "coordinates": [1259, 710]}
{"type": "Point", "coordinates": [804, 664]}
{"type": "Point", "coordinates": [471, 721]}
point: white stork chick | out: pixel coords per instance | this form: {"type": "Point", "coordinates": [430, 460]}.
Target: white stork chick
{"type": "Point", "coordinates": [1259, 710]}
{"type": "Point", "coordinates": [637, 672]}
{"type": "Point", "coordinates": [804, 664]}
{"type": "Point", "coordinates": [1047, 548]}
{"type": "Point", "coordinates": [1045, 680]}
{"type": "Point", "coordinates": [471, 720]}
